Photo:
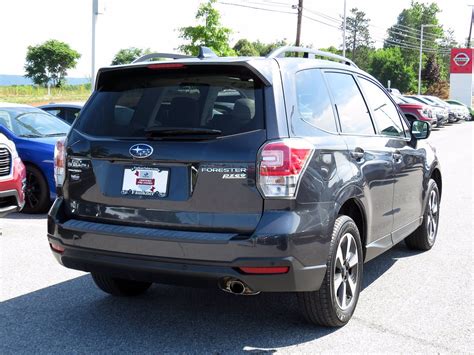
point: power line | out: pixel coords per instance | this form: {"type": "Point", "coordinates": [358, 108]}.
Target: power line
{"type": "Point", "coordinates": [257, 8]}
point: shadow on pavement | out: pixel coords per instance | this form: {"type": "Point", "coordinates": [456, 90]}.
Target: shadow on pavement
{"type": "Point", "coordinates": [74, 316]}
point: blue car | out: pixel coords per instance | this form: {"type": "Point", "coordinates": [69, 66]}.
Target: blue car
{"type": "Point", "coordinates": [34, 133]}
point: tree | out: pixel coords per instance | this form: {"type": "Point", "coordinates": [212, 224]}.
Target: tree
{"type": "Point", "coordinates": [210, 34]}
{"type": "Point", "coordinates": [245, 48]}
{"type": "Point", "coordinates": [128, 55]}
{"type": "Point", "coordinates": [49, 62]}
{"type": "Point", "coordinates": [431, 73]}
{"type": "Point", "coordinates": [406, 32]}
{"type": "Point", "coordinates": [357, 32]}
{"type": "Point", "coordinates": [388, 64]}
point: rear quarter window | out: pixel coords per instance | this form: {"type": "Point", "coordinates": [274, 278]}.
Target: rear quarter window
{"type": "Point", "coordinates": [314, 104]}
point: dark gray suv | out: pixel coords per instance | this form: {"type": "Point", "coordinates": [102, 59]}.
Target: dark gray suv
{"type": "Point", "coordinates": [252, 175]}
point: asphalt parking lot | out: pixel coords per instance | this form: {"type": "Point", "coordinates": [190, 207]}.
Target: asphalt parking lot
{"type": "Point", "coordinates": [411, 302]}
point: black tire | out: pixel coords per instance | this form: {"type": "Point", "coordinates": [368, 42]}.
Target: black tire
{"type": "Point", "coordinates": [36, 191]}
{"type": "Point", "coordinates": [323, 307]}
{"type": "Point", "coordinates": [425, 236]}
{"type": "Point", "coordinates": [120, 287]}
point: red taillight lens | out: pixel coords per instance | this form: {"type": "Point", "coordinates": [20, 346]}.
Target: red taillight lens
{"type": "Point", "coordinates": [264, 270]}
{"type": "Point", "coordinates": [60, 162]}
{"type": "Point", "coordinates": [56, 247]}
{"type": "Point", "coordinates": [281, 164]}
{"type": "Point", "coordinates": [166, 66]}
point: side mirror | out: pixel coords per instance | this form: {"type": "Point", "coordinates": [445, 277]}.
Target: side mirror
{"type": "Point", "coordinates": [420, 129]}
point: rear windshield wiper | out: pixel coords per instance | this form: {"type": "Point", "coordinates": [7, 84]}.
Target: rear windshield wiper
{"type": "Point", "coordinates": [156, 131]}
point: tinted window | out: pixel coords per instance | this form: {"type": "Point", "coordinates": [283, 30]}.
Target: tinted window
{"type": "Point", "coordinates": [386, 115]}
{"type": "Point", "coordinates": [128, 102]}
{"type": "Point", "coordinates": [29, 122]}
{"type": "Point", "coordinates": [314, 105]}
{"type": "Point", "coordinates": [353, 113]}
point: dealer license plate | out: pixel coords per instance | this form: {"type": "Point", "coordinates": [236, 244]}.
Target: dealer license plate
{"type": "Point", "coordinates": [145, 181]}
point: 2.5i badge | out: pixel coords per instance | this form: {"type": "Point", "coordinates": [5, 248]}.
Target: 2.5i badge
{"type": "Point", "coordinates": [145, 181]}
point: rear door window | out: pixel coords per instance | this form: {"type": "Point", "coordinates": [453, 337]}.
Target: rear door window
{"type": "Point", "coordinates": [314, 104]}
{"type": "Point", "coordinates": [351, 108]}
{"type": "Point", "coordinates": [386, 115]}
{"type": "Point", "coordinates": [131, 102]}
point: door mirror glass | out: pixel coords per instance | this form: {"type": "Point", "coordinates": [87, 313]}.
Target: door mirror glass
{"type": "Point", "coordinates": [420, 129]}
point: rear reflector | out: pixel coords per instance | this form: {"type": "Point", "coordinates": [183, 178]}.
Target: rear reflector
{"type": "Point", "coordinates": [265, 270]}
{"type": "Point", "coordinates": [56, 247]}
{"type": "Point", "coordinates": [166, 66]}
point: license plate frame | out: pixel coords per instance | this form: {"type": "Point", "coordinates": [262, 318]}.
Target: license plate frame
{"type": "Point", "coordinates": [145, 181]}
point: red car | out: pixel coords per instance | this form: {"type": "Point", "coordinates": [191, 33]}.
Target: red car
{"type": "Point", "coordinates": [12, 178]}
{"type": "Point", "coordinates": [414, 110]}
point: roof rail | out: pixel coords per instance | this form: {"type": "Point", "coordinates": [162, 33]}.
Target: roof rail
{"type": "Point", "coordinates": [309, 53]}
{"type": "Point", "coordinates": [147, 57]}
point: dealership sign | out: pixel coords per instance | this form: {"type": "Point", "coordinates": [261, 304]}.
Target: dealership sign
{"type": "Point", "coordinates": [462, 60]}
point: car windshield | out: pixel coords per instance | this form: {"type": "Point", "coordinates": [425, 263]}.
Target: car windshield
{"type": "Point", "coordinates": [437, 100]}
{"type": "Point", "coordinates": [32, 123]}
{"type": "Point", "coordinates": [409, 100]}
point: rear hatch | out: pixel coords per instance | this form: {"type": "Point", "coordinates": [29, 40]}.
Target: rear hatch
{"type": "Point", "coordinates": [169, 145]}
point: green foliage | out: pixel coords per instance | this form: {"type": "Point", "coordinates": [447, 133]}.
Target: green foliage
{"type": "Point", "coordinates": [37, 95]}
{"type": "Point", "coordinates": [245, 48]}
{"type": "Point", "coordinates": [210, 33]}
{"type": "Point", "coordinates": [357, 33]}
{"type": "Point", "coordinates": [49, 62]}
{"type": "Point", "coordinates": [431, 73]}
{"type": "Point", "coordinates": [388, 64]}
{"type": "Point", "coordinates": [128, 55]}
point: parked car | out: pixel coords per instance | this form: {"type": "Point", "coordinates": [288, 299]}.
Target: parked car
{"type": "Point", "coordinates": [394, 91]}
{"type": "Point", "coordinates": [67, 111]}
{"type": "Point", "coordinates": [442, 114]}
{"type": "Point", "coordinates": [470, 111]}
{"type": "Point", "coordinates": [12, 178]}
{"type": "Point", "coordinates": [34, 133]}
{"type": "Point", "coordinates": [312, 172]}
{"type": "Point", "coordinates": [414, 110]}
{"type": "Point", "coordinates": [453, 114]}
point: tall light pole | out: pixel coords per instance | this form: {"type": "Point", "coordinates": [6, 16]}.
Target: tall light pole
{"type": "Point", "coordinates": [344, 32]}
{"type": "Point", "coordinates": [95, 12]}
{"type": "Point", "coordinates": [421, 56]}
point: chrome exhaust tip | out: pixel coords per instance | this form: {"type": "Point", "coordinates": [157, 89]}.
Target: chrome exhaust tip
{"type": "Point", "coordinates": [236, 287]}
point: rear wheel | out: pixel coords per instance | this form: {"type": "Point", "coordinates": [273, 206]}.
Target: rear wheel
{"type": "Point", "coordinates": [425, 236]}
{"type": "Point", "coordinates": [36, 191]}
{"type": "Point", "coordinates": [120, 287]}
{"type": "Point", "coordinates": [334, 303]}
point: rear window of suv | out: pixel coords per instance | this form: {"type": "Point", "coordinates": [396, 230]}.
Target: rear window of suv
{"type": "Point", "coordinates": [130, 102]}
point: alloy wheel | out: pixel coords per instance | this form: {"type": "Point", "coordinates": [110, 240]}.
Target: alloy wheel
{"type": "Point", "coordinates": [432, 218]}
{"type": "Point", "coordinates": [346, 271]}
{"type": "Point", "coordinates": [32, 190]}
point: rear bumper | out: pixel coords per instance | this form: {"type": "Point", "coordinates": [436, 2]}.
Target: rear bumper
{"type": "Point", "coordinates": [179, 257]}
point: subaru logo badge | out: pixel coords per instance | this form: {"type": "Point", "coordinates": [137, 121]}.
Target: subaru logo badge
{"type": "Point", "coordinates": [140, 151]}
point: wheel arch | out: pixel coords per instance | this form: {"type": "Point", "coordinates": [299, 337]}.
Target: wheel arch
{"type": "Point", "coordinates": [353, 208]}
{"type": "Point", "coordinates": [436, 176]}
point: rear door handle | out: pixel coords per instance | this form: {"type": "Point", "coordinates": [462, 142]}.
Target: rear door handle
{"type": "Point", "coordinates": [357, 154]}
{"type": "Point", "coordinates": [397, 156]}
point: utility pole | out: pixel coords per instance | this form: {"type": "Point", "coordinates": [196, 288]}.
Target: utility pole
{"type": "Point", "coordinates": [298, 25]}
{"type": "Point", "coordinates": [468, 44]}
{"type": "Point", "coordinates": [421, 56]}
{"type": "Point", "coordinates": [344, 32]}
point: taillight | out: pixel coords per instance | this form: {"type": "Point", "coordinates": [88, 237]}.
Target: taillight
{"type": "Point", "coordinates": [281, 164]}
{"type": "Point", "coordinates": [60, 162]}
